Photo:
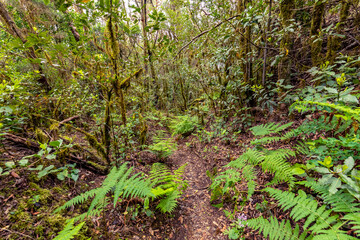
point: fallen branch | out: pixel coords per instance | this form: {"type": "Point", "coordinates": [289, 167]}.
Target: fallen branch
{"type": "Point", "coordinates": [68, 119]}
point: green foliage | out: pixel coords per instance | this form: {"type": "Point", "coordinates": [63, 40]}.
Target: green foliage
{"type": "Point", "coordinates": [70, 231]}
{"type": "Point", "coordinates": [274, 230]}
{"type": "Point", "coordinates": [163, 147]}
{"type": "Point", "coordinates": [343, 111]}
{"type": "Point", "coordinates": [243, 170]}
{"type": "Point", "coordinates": [320, 222]}
{"type": "Point", "coordinates": [269, 128]}
{"type": "Point", "coordinates": [183, 125]}
{"type": "Point", "coordinates": [167, 185]}
{"type": "Point", "coordinates": [120, 182]}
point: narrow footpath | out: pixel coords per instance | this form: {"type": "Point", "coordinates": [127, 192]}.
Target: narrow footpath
{"type": "Point", "coordinates": [196, 219]}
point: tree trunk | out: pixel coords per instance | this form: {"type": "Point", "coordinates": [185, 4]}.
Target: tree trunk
{"type": "Point", "coordinates": [334, 42]}
{"type": "Point", "coordinates": [317, 18]}
{"type": "Point", "coordinates": [286, 12]}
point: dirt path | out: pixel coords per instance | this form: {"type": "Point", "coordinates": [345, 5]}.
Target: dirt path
{"type": "Point", "coordinates": [197, 219]}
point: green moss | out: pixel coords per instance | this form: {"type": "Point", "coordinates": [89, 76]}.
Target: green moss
{"type": "Point", "coordinates": [56, 222]}
{"type": "Point", "coordinates": [334, 42]}
{"type": "Point", "coordinates": [39, 230]}
{"type": "Point", "coordinates": [58, 190]}
{"type": "Point", "coordinates": [41, 136]}
{"type": "Point", "coordinates": [317, 18]}
{"type": "Point", "coordinates": [45, 194]}
{"type": "Point", "coordinates": [22, 221]}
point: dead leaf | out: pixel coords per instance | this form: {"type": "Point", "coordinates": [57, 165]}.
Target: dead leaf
{"type": "Point", "coordinates": [14, 174]}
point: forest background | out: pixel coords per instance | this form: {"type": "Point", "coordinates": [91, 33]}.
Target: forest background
{"type": "Point", "coordinates": [131, 109]}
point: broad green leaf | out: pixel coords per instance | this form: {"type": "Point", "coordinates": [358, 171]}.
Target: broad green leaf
{"type": "Point", "coordinates": [38, 168]}
{"type": "Point", "coordinates": [350, 163]}
{"type": "Point", "coordinates": [349, 99]}
{"type": "Point", "coordinates": [56, 143]}
{"type": "Point", "coordinates": [51, 156]}
{"type": "Point", "coordinates": [23, 162]}
{"type": "Point", "coordinates": [10, 164]}
{"type": "Point", "coordinates": [298, 171]}
{"type": "Point", "coordinates": [334, 186]}
{"type": "Point", "coordinates": [45, 171]}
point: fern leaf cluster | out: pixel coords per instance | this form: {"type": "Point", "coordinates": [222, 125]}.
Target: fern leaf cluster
{"type": "Point", "coordinates": [70, 231]}
{"type": "Point", "coordinates": [320, 221]}
{"type": "Point", "coordinates": [266, 130]}
{"type": "Point", "coordinates": [269, 128]}
{"type": "Point", "coordinates": [350, 114]}
{"type": "Point", "coordinates": [243, 170]}
{"type": "Point", "coordinates": [183, 125]}
{"type": "Point", "coordinates": [120, 182]}
{"type": "Point", "coordinates": [167, 185]}
{"type": "Point", "coordinates": [163, 147]}
{"type": "Point", "coordinates": [274, 230]}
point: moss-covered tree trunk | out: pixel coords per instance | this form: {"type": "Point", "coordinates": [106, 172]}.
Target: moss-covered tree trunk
{"type": "Point", "coordinates": [334, 42]}
{"type": "Point", "coordinates": [315, 31]}
{"type": "Point", "coordinates": [287, 13]}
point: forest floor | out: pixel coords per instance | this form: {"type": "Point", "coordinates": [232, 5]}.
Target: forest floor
{"type": "Point", "coordinates": [26, 214]}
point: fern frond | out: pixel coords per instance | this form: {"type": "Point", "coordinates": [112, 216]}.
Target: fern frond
{"type": "Point", "coordinates": [354, 219]}
{"type": "Point", "coordinates": [251, 156]}
{"type": "Point", "coordinates": [267, 140]}
{"type": "Point", "coordinates": [275, 162]}
{"type": "Point", "coordinates": [275, 230]}
{"type": "Point", "coordinates": [302, 148]}
{"type": "Point", "coordinates": [341, 201]}
{"type": "Point", "coordinates": [168, 185]}
{"type": "Point", "coordinates": [70, 231]}
{"type": "Point", "coordinates": [169, 203]}
{"type": "Point", "coordinates": [322, 221]}
{"type": "Point", "coordinates": [117, 181]}
{"type": "Point", "coordinates": [350, 112]}
{"type": "Point", "coordinates": [109, 182]}
{"type": "Point", "coordinates": [269, 128]}
{"type": "Point", "coordinates": [77, 200]}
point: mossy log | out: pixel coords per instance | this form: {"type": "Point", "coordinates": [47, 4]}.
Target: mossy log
{"type": "Point", "coordinates": [93, 142]}
{"type": "Point", "coordinates": [90, 163]}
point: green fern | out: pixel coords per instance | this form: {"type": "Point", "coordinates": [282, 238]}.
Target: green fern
{"type": "Point", "coordinates": [183, 125]}
{"type": "Point", "coordinates": [275, 230]}
{"type": "Point", "coordinates": [269, 128]}
{"type": "Point", "coordinates": [163, 147]}
{"type": "Point", "coordinates": [117, 181]}
{"type": "Point", "coordinates": [321, 222]}
{"type": "Point", "coordinates": [302, 148]}
{"type": "Point", "coordinates": [341, 201]}
{"type": "Point", "coordinates": [347, 111]}
{"type": "Point", "coordinates": [70, 231]}
{"type": "Point", "coordinates": [354, 219]}
{"type": "Point", "coordinates": [167, 185]}
{"type": "Point", "coordinates": [275, 162]}
{"type": "Point", "coordinates": [242, 170]}
{"type": "Point", "coordinates": [169, 203]}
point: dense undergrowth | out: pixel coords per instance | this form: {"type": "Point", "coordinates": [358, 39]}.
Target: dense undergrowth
{"type": "Point", "coordinates": [96, 97]}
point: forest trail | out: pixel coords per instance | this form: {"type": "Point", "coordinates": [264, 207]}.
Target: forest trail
{"type": "Point", "coordinates": [197, 219]}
